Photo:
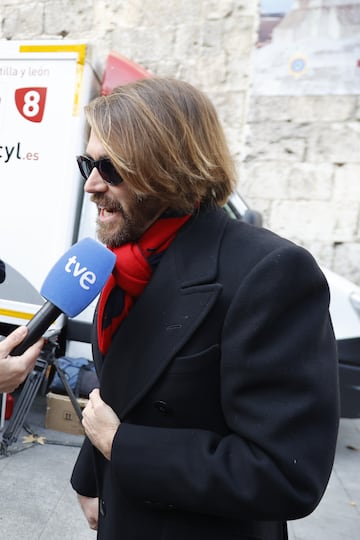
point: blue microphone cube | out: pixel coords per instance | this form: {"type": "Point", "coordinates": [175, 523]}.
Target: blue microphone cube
{"type": "Point", "coordinates": [78, 276]}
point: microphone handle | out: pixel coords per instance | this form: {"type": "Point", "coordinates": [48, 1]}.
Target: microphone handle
{"type": "Point", "coordinates": [37, 326]}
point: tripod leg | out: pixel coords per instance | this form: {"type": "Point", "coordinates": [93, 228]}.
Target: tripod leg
{"type": "Point", "coordinates": [68, 389]}
{"type": "Point", "coordinates": [3, 410]}
{"type": "Point", "coordinates": [23, 404]}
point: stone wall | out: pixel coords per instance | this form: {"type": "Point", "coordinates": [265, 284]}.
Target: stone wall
{"type": "Point", "coordinates": [208, 43]}
{"type": "Point", "coordinates": [302, 171]}
{"type": "Point", "coordinates": [296, 140]}
{"type": "Point", "coordinates": [301, 166]}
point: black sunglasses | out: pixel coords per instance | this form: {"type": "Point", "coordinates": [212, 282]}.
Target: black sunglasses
{"type": "Point", "coordinates": [106, 169]}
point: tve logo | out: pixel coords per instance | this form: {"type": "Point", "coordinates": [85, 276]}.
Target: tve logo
{"type": "Point", "coordinates": [30, 102]}
{"type": "Point", "coordinates": [86, 277]}
{"type": "Point", "coordinates": [78, 276]}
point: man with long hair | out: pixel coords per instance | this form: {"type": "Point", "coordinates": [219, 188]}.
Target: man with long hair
{"type": "Point", "coordinates": [217, 411]}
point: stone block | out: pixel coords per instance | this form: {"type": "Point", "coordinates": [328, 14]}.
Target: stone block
{"type": "Point", "coordinates": [231, 105]}
{"type": "Point", "coordinates": [303, 109]}
{"type": "Point", "coordinates": [346, 261]}
{"type": "Point", "coordinates": [143, 42]}
{"type": "Point", "coordinates": [292, 181]}
{"type": "Point", "coordinates": [345, 220]}
{"type": "Point", "coordinates": [239, 35]}
{"type": "Point", "coordinates": [211, 68]}
{"type": "Point", "coordinates": [303, 221]}
{"type": "Point", "coordinates": [188, 41]}
{"type": "Point", "coordinates": [159, 13]}
{"type": "Point", "coordinates": [323, 253]}
{"type": "Point", "coordinates": [22, 22]}
{"type": "Point", "coordinates": [67, 16]}
{"type": "Point", "coordinates": [335, 142]}
{"type": "Point", "coordinates": [280, 141]}
{"type": "Point", "coordinates": [216, 10]}
{"type": "Point", "coordinates": [347, 184]}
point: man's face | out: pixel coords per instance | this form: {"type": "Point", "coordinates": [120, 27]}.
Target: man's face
{"type": "Point", "coordinates": [122, 215]}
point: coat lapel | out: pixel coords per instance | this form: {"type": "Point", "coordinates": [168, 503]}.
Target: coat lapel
{"type": "Point", "coordinates": [173, 305]}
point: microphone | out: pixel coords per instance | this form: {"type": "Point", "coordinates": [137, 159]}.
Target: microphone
{"type": "Point", "coordinates": [71, 285]}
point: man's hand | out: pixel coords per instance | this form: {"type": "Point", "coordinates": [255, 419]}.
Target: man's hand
{"type": "Point", "coordinates": [90, 507]}
{"type": "Point", "coordinates": [14, 369]}
{"type": "Point", "coordinates": [100, 423]}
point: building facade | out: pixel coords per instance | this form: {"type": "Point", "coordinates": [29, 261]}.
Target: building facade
{"type": "Point", "coordinates": [289, 105]}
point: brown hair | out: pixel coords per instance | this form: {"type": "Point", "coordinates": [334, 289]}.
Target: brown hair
{"type": "Point", "coordinates": [165, 139]}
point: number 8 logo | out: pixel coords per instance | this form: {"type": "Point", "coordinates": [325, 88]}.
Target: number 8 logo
{"type": "Point", "coordinates": [30, 102]}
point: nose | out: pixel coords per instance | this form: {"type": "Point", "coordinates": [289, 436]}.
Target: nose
{"type": "Point", "coordinates": [95, 183]}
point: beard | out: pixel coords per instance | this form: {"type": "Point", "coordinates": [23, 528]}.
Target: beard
{"type": "Point", "coordinates": [141, 213]}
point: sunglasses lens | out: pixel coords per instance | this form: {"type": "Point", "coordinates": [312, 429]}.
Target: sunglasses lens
{"type": "Point", "coordinates": [106, 169]}
{"type": "Point", "coordinates": [108, 172]}
{"type": "Point", "coordinates": [85, 166]}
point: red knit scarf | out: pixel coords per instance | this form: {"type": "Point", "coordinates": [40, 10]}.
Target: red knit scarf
{"type": "Point", "coordinates": [133, 269]}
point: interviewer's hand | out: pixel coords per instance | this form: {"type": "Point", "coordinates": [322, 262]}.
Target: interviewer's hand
{"type": "Point", "coordinates": [14, 369]}
{"type": "Point", "coordinates": [100, 423]}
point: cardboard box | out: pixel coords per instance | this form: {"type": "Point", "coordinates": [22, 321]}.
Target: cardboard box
{"type": "Point", "coordinates": [61, 415]}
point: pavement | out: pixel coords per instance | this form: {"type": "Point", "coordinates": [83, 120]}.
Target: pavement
{"type": "Point", "coordinates": [38, 503]}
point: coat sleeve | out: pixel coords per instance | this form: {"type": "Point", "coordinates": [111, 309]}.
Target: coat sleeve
{"type": "Point", "coordinates": [279, 393]}
{"type": "Point", "coordinates": [83, 478]}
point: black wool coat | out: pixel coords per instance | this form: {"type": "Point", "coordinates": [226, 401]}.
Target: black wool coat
{"type": "Point", "coordinates": [224, 376]}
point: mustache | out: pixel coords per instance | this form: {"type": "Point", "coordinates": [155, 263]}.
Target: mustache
{"type": "Point", "coordinates": [106, 202]}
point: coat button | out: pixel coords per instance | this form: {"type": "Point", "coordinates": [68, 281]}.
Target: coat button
{"type": "Point", "coordinates": [162, 407]}
{"type": "Point", "coordinates": [102, 508]}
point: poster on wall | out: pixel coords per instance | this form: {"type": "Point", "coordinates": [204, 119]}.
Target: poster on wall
{"type": "Point", "coordinates": [307, 47]}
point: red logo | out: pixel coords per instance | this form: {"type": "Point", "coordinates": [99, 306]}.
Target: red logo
{"type": "Point", "coordinates": [30, 103]}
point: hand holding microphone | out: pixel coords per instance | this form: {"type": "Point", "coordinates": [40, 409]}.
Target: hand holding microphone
{"type": "Point", "coordinates": [71, 285]}
{"type": "Point", "coordinates": [14, 369]}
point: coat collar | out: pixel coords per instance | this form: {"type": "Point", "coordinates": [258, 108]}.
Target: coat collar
{"type": "Point", "coordinates": [173, 305]}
